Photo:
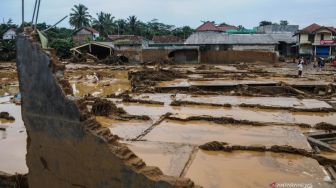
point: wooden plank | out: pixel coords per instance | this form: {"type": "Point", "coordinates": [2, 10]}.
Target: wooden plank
{"type": "Point", "coordinates": [331, 172]}
{"type": "Point", "coordinates": [321, 145]}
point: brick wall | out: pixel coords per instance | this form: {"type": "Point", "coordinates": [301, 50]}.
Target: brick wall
{"type": "Point", "coordinates": [237, 56]}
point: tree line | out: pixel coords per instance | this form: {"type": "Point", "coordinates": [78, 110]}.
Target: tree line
{"type": "Point", "coordinates": [106, 24]}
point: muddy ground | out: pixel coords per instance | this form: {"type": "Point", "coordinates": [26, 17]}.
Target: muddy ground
{"type": "Point", "coordinates": [210, 123]}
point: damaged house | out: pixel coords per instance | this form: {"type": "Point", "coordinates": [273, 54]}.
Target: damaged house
{"type": "Point", "coordinates": [127, 42]}
{"type": "Point", "coordinates": [284, 35]}
{"type": "Point", "coordinates": [84, 35]}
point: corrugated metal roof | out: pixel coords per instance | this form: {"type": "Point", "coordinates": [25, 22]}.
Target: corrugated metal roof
{"type": "Point", "coordinates": [224, 38]}
{"type": "Point", "coordinates": [285, 37]}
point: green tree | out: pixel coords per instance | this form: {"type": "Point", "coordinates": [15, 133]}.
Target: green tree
{"type": "Point", "coordinates": [62, 47]}
{"type": "Point", "coordinates": [133, 22]}
{"type": "Point", "coordinates": [104, 23]}
{"type": "Point", "coordinates": [263, 23]}
{"type": "Point", "coordinates": [80, 17]}
{"type": "Point", "coordinates": [121, 27]}
{"type": "Point", "coordinates": [240, 27]}
{"type": "Point", "coordinates": [284, 22]}
{"type": "Point", "coordinates": [183, 32]}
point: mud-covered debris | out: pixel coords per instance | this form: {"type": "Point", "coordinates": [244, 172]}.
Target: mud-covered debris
{"type": "Point", "coordinates": [66, 86]}
{"type": "Point", "coordinates": [222, 146]}
{"type": "Point", "coordinates": [324, 160]}
{"type": "Point", "coordinates": [289, 149]}
{"type": "Point", "coordinates": [218, 120]}
{"type": "Point", "coordinates": [147, 78]}
{"type": "Point", "coordinates": [213, 146]}
{"type": "Point", "coordinates": [182, 103]}
{"type": "Point", "coordinates": [103, 107]}
{"type": "Point", "coordinates": [156, 75]}
{"type": "Point", "coordinates": [292, 109]}
{"type": "Point", "coordinates": [5, 115]}
{"type": "Point", "coordinates": [140, 101]}
{"type": "Point", "coordinates": [115, 59]}
{"type": "Point", "coordinates": [325, 126]}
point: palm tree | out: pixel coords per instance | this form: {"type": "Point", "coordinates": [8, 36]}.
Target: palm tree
{"type": "Point", "coordinates": [104, 23]}
{"type": "Point", "coordinates": [133, 24]}
{"type": "Point", "coordinates": [80, 16]}
{"type": "Point", "coordinates": [121, 26]}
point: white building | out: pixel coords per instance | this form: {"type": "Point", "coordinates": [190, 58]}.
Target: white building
{"type": "Point", "coordinates": [9, 35]}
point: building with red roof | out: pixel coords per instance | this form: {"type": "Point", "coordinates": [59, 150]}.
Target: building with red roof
{"type": "Point", "coordinates": [208, 26]}
{"type": "Point", "coordinates": [316, 40]}
{"type": "Point", "coordinates": [224, 27]}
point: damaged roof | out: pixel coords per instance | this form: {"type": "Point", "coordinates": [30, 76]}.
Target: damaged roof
{"type": "Point", "coordinates": [225, 38]}
{"type": "Point", "coordinates": [285, 37]}
{"type": "Point", "coordinates": [314, 28]}
{"type": "Point", "coordinates": [126, 39]}
{"type": "Point", "coordinates": [90, 29]}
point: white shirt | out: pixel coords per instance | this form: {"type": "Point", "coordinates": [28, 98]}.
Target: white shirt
{"type": "Point", "coordinates": [300, 66]}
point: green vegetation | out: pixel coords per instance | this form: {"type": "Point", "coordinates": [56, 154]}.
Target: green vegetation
{"type": "Point", "coordinates": [106, 24]}
{"type": "Point", "coordinates": [79, 17]}
{"type": "Point", "coordinates": [282, 22]}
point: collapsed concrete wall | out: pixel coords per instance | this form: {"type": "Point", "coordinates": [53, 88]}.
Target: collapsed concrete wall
{"type": "Point", "coordinates": [66, 147]}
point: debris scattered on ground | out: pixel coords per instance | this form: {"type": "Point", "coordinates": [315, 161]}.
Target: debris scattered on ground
{"type": "Point", "coordinates": [5, 115]}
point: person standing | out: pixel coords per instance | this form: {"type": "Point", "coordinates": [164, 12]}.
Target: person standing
{"type": "Point", "coordinates": [300, 67]}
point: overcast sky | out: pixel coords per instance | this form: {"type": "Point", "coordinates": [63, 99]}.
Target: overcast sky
{"type": "Point", "coordinates": [185, 12]}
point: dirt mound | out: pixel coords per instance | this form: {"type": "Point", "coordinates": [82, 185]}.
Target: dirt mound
{"type": "Point", "coordinates": [103, 107]}
{"type": "Point", "coordinates": [155, 75]}
{"type": "Point", "coordinates": [115, 60]}
{"type": "Point", "coordinates": [213, 146]}
{"type": "Point", "coordinates": [5, 115]}
{"type": "Point", "coordinates": [325, 126]}
{"type": "Point", "coordinates": [183, 103]}
{"type": "Point", "coordinates": [143, 80]}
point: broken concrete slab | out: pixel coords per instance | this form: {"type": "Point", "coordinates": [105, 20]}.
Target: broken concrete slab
{"type": "Point", "coordinates": [171, 158]}
{"type": "Point", "coordinates": [201, 132]}
{"type": "Point", "coordinates": [125, 129]}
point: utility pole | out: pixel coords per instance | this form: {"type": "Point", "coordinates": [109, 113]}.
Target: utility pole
{"type": "Point", "coordinates": [22, 12]}
{"type": "Point", "coordinates": [118, 29]}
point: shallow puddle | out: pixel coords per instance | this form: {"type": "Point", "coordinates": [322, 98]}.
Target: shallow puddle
{"type": "Point", "coordinates": [254, 170]}
{"type": "Point", "coordinates": [201, 132]}
{"type": "Point", "coordinates": [13, 140]}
